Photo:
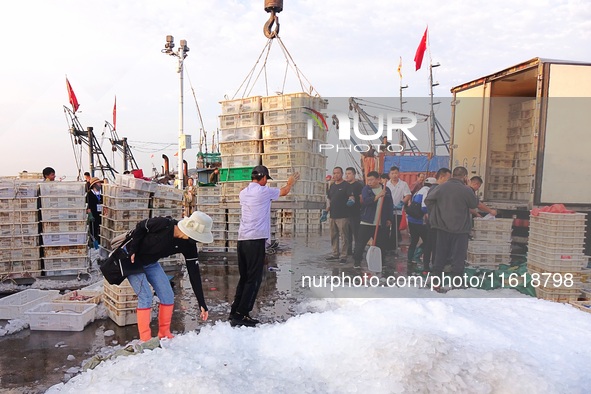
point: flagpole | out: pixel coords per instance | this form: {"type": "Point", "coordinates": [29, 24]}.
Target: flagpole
{"type": "Point", "coordinates": [401, 134]}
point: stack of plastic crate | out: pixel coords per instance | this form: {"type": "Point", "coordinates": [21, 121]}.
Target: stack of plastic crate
{"type": "Point", "coordinates": [490, 244]}
{"type": "Point", "coordinates": [19, 229]}
{"type": "Point", "coordinates": [167, 201]}
{"type": "Point", "coordinates": [555, 252]}
{"type": "Point", "coordinates": [240, 140]}
{"type": "Point", "coordinates": [287, 147]}
{"type": "Point", "coordinates": [64, 230]}
{"type": "Point", "coordinates": [520, 138]}
{"type": "Point", "coordinates": [500, 183]}
{"type": "Point", "coordinates": [121, 303]}
{"type": "Point", "coordinates": [218, 215]}
{"type": "Point", "coordinates": [124, 205]}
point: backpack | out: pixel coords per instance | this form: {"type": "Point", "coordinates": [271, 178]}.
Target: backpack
{"type": "Point", "coordinates": [415, 209]}
{"type": "Point", "coordinates": [112, 266]}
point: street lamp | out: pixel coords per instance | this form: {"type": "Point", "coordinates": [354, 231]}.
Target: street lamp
{"type": "Point", "coordinates": [181, 54]}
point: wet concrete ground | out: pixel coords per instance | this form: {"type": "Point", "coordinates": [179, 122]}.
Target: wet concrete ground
{"type": "Point", "coordinates": [32, 361]}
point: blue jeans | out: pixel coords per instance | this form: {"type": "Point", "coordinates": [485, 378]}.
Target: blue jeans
{"type": "Point", "coordinates": [153, 275]}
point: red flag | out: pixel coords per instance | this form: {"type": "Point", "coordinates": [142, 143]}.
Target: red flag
{"type": "Point", "coordinates": [72, 96]}
{"type": "Point", "coordinates": [400, 68]}
{"type": "Point", "coordinates": [176, 154]}
{"type": "Point", "coordinates": [115, 114]}
{"type": "Point", "coordinates": [421, 50]}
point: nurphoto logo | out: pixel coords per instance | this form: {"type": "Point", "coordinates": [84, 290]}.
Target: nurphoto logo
{"type": "Point", "coordinates": [402, 121]}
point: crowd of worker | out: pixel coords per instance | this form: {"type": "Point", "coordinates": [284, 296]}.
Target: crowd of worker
{"type": "Point", "coordinates": [437, 211]}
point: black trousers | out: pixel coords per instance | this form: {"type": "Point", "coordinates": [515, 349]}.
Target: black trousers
{"type": "Point", "coordinates": [416, 231]}
{"type": "Point", "coordinates": [251, 260]}
{"type": "Point", "coordinates": [354, 222]}
{"type": "Point", "coordinates": [453, 247]}
{"type": "Point", "coordinates": [365, 234]}
{"type": "Point", "coordinates": [429, 248]}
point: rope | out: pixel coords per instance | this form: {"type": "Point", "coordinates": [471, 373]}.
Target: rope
{"type": "Point", "coordinates": [264, 67]}
{"type": "Point", "coordinates": [252, 70]}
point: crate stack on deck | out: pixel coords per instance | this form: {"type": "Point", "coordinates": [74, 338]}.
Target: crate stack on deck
{"type": "Point", "coordinates": [168, 201]}
{"type": "Point", "coordinates": [282, 124]}
{"type": "Point", "coordinates": [125, 203]}
{"type": "Point", "coordinates": [121, 302]}
{"type": "Point", "coordinates": [64, 233]}
{"type": "Point", "coordinates": [208, 200]}
{"type": "Point", "coordinates": [511, 174]}
{"type": "Point", "coordinates": [491, 243]}
{"type": "Point", "coordinates": [555, 249]}
{"type": "Point", "coordinates": [19, 229]}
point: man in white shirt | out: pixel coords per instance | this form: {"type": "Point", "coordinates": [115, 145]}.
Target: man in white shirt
{"type": "Point", "coordinates": [400, 196]}
{"type": "Point", "coordinates": [253, 235]}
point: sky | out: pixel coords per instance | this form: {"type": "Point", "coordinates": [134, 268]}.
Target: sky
{"type": "Point", "coordinates": [344, 48]}
{"type": "Point", "coordinates": [382, 345]}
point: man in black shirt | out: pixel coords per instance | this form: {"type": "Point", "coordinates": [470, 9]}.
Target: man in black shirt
{"type": "Point", "coordinates": [339, 194]}
{"type": "Point", "coordinates": [354, 209]}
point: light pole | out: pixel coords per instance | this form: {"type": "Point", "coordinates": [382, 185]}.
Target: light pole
{"type": "Point", "coordinates": [181, 54]}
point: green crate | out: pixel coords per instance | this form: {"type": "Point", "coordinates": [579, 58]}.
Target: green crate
{"type": "Point", "coordinates": [235, 174]}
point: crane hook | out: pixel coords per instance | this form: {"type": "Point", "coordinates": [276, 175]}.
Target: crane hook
{"type": "Point", "coordinates": [273, 20]}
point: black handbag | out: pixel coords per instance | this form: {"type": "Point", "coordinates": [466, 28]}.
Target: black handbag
{"type": "Point", "coordinates": [112, 266]}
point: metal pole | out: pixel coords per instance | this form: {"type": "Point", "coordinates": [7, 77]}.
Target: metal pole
{"type": "Point", "coordinates": [432, 113]}
{"type": "Point", "coordinates": [90, 150]}
{"type": "Point", "coordinates": [180, 154]}
{"type": "Point", "coordinates": [125, 154]}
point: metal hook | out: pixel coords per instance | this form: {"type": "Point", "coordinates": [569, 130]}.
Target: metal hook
{"type": "Point", "coordinates": [273, 20]}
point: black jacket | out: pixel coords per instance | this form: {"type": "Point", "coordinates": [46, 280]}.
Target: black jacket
{"type": "Point", "coordinates": [154, 239]}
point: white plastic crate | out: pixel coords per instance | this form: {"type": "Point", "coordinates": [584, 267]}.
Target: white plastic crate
{"type": "Point", "coordinates": [64, 239]}
{"type": "Point", "coordinates": [15, 188]}
{"type": "Point", "coordinates": [65, 263]}
{"type": "Point", "coordinates": [294, 115]}
{"type": "Point", "coordinates": [19, 254]}
{"type": "Point", "coordinates": [576, 218]}
{"type": "Point", "coordinates": [538, 238]}
{"type": "Point", "coordinates": [292, 130]}
{"type": "Point", "coordinates": [21, 241]}
{"type": "Point", "coordinates": [303, 144]}
{"type": "Point", "coordinates": [63, 202]}
{"type": "Point", "coordinates": [8, 267]}
{"type": "Point", "coordinates": [65, 251]}
{"type": "Point", "coordinates": [59, 214]}
{"type": "Point", "coordinates": [18, 204]}
{"type": "Point", "coordinates": [558, 230]}
{"type": "Point", "coordinates": [119, 293]}
{"type": "Point", "coordinates": [135, 183]}
{"type": "Point", "coordinates": [244, 119]}
{"type": "Point", "coordinates": [16, 229]}
{"type": "Point", "coordinates": [62, 189]}
{"type": "Point", "coordinates": [306, 173]}
{"type": "Point", "coordinates": [292, 100]}
{"type": "Point", "coordinates": [249, 160]}
{"type": "Point", "coordinates": [247, 104]}
{"type": "Point", "coordinates": [240, 147]}
{"type": "Point", "coordinates": [555, 248]}
{"type": "Point", "coordinates": [232, 189]}
{"type": "Point", "coordinates": [240, 134]}
{"type": "Point", "coordinates": [107, 235]}
{"type": "Point", "coordinates": [488, 259]}
{"type": "Point", "coordinates": [176, 213]}
{"type": "Point", "coordinates": [18, 216]}
{"type": "Point", "coordinates": [493, 224]}
{"type": "Point", "coordinates": [492, 235]}
{"type": "Point", "coordinates": [162, 203]}
{"type": "Point", "coordinates": [295, 158]}
{"type": "Point", "coordinates": [65, 227]}
{"type": "Point", "coordinates": [208, 191]}
{"type": "Point", "coordinates": [126, 203]}
{"type": "Point", "coordinates": [487, 247]}
{"type": "Point", "coordinates": [81, 297]}
{"type": "Point", "coordinates": [60, 316]}
{"type": "Point", "coordinates": [13, 306]}
{"type": "Point", "coordinates": [113, 190]}
{"type": "Point", "coordinates": [120, 301]}
{"type": "Point", "coordinates": [119, 225]}
{"type": "Point", "coordinates": [122, 317]}
{"type": "Point", "coordinates": [126, 214]}
{"type": "Point", "coordinates": [168, 193]}
{"type": "Point", "coordinates": [556, 262]}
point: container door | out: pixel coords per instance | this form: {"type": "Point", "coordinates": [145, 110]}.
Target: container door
{"type": "Point", "coordinates": [470, 129]}
{"type": "Point", "coordinates": [565, 152]}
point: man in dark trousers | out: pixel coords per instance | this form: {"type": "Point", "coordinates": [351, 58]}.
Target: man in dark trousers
{"type": "Point", "coordinates": [340, 198]}
{"type": "Point", "coordinates": [449, 209]}
{"type": "Point", "coordinates": [372, 196]}
{"type": "Point", "coordinates": [355, 209]}
{"type": "Point", "coordinates": [441, 177]}
{"type": "Point", "coordinates": [253, 235]}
